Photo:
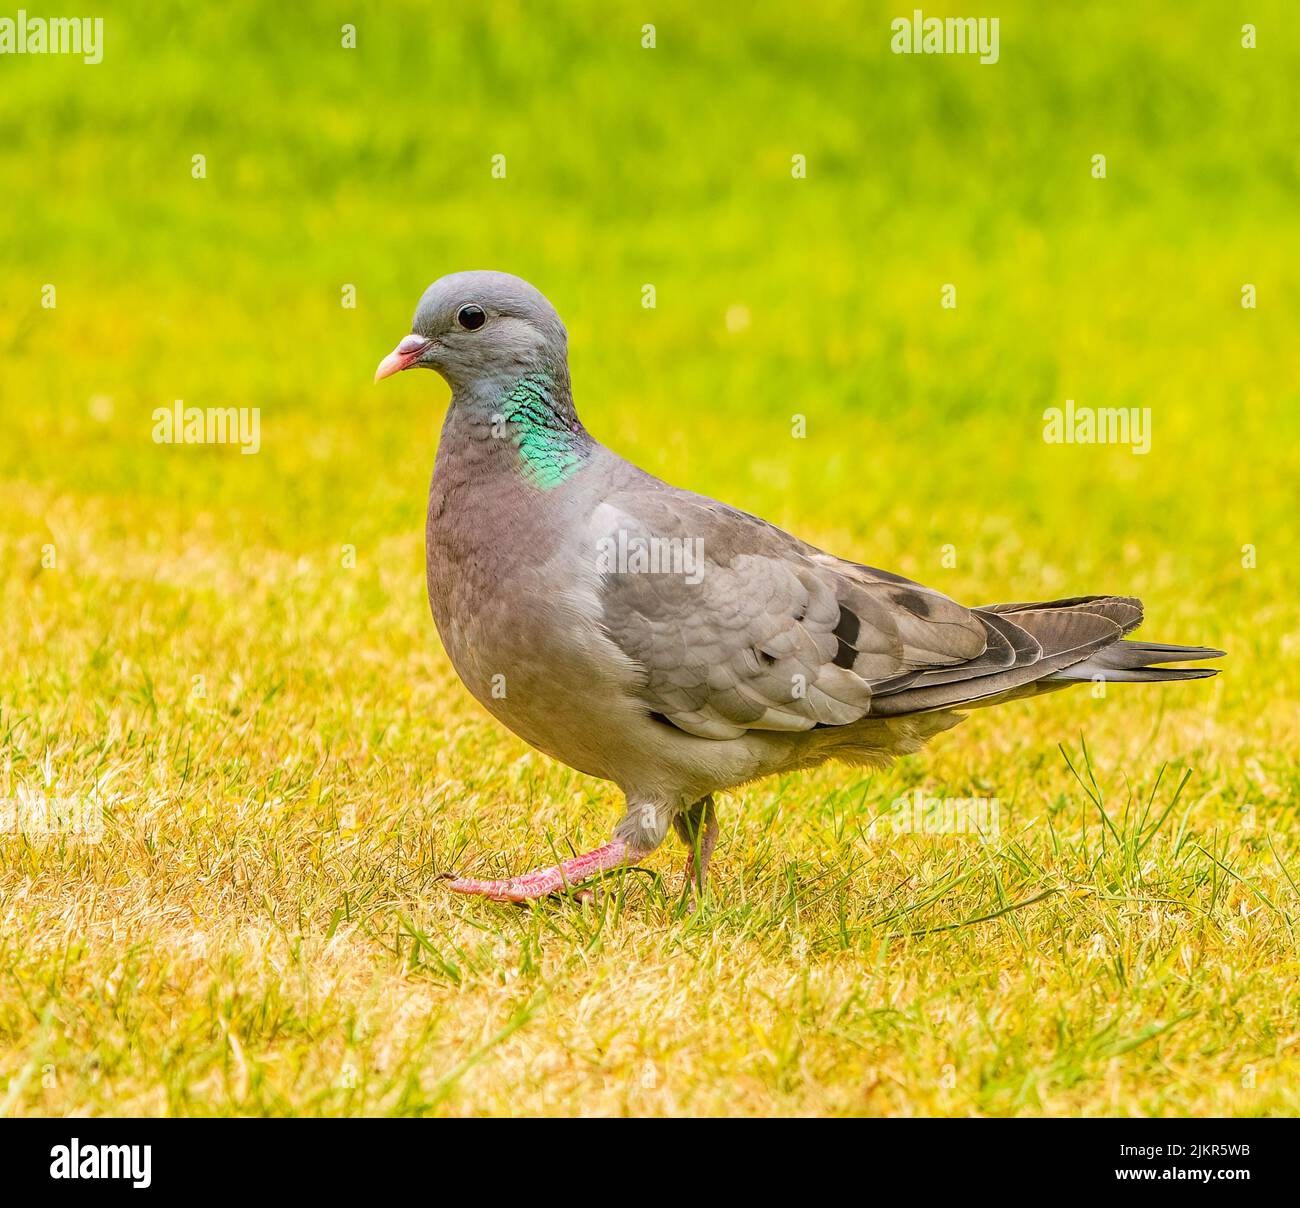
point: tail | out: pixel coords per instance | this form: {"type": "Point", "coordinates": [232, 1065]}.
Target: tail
{"type": "Point", "coordinates": [1137, 663]}
{"type": "Point", "coordinates": [1042, 647]}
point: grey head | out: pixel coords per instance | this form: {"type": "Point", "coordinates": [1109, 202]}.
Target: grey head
{"type": "Point", "coordinates": [480, 330]}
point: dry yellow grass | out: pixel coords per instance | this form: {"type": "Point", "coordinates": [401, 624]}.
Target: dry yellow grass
{"type": "Point", "coordinates": [260, 928]}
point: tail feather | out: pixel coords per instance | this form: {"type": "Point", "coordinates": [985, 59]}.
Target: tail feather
{"type": "Point", "coordinates": [1088, 671]}
{"type": "Point", "coordinates": [1144, 654]}
{"type": "Point", "coordinates": [1136, 663]}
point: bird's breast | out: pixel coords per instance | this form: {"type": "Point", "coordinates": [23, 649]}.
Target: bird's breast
{"type": "Point", "coordinates": [514, 598]}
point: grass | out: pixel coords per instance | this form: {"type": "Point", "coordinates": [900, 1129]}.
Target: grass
{"type": "Point", "coordinates": [284, 756]}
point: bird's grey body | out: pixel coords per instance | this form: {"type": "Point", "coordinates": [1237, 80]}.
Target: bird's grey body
{"type": "Point", "coordinates": [667, 642]}
{"type": "Point", "coordinates": [527, 625]}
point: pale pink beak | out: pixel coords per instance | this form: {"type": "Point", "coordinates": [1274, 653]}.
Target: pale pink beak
{"type": "Point", "coordinates": [403, 356]}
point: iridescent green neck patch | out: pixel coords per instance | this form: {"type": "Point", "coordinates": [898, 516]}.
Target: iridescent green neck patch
{"type": "Point", "coordinates": [552, 448]}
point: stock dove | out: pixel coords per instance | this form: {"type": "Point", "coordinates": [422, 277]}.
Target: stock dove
{"type": "Point", "coordinates": [667, 642]}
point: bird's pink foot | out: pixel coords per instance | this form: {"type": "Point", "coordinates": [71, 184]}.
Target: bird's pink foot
{"type": "Point", "coordinates": [548, 880]}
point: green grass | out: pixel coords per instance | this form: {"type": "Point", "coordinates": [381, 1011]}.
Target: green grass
{"type": "Point", "coordinates": [260, 928]}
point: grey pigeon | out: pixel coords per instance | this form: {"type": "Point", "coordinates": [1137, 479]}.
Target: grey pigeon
{"type": "Point", "coordinates": [672, 644]}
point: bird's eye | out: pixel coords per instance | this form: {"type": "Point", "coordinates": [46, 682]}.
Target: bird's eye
{"type": "Point", "coordinates": [471, 317]}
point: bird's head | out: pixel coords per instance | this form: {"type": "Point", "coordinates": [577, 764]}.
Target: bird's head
{"type": "Point", "coordinates": [481, 328]}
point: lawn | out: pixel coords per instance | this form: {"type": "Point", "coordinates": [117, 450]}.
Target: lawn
{"type": "Point", "coordinates": [231, 656]}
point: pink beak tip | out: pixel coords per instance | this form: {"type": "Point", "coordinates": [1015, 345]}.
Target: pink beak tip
{"type": "Point", "coordinates": [405, 355]}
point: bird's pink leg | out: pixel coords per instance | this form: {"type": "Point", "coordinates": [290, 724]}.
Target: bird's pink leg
{"type": "Point", "coordinates": [699, 840]}
{"type": "Point", "coordinates": [548, 880]}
